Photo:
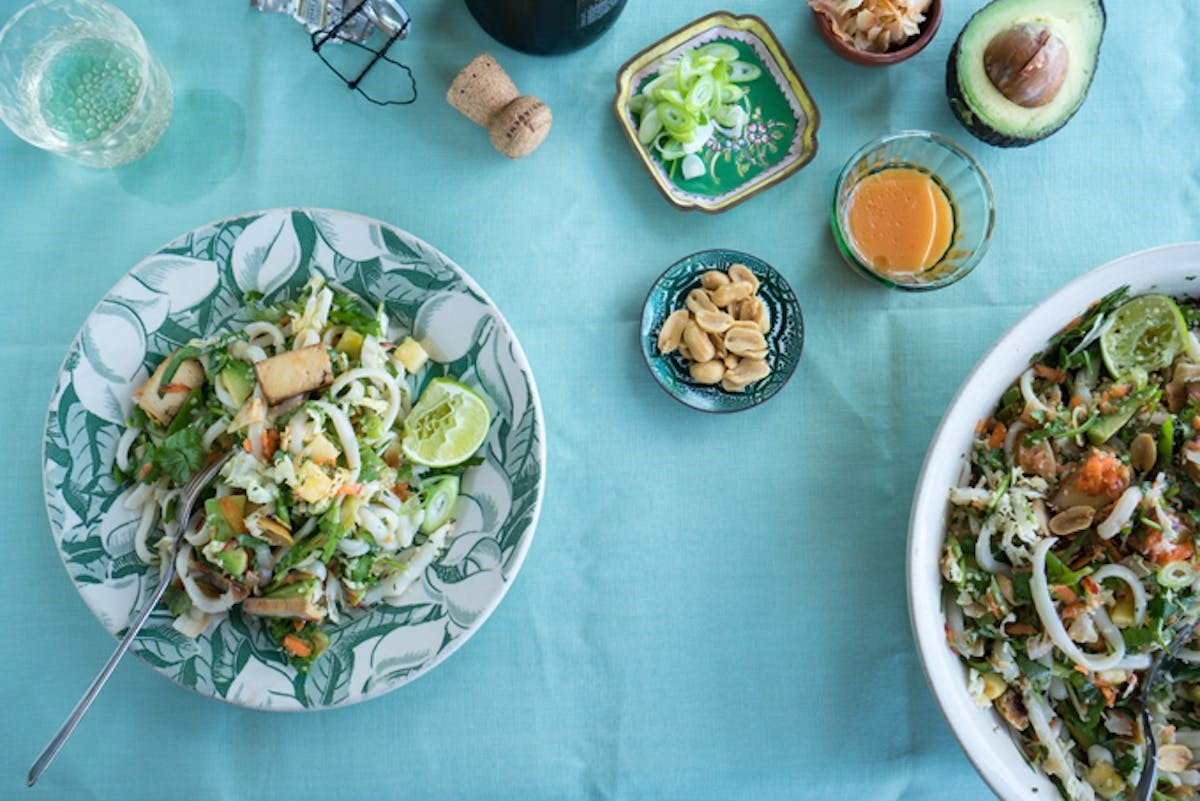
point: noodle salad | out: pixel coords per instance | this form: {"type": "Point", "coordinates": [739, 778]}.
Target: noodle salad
{"type": "Point", "coordinates": [1070, 557]}
{"type": "Point", "coordinates": [340, 489]}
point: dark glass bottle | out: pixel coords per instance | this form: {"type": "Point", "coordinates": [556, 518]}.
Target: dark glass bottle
{"type": "Point", "coordinates": [546, 27]}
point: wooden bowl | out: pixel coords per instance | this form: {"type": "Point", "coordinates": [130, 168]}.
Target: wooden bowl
{"type": "Point", "coordinates": [914, 45]}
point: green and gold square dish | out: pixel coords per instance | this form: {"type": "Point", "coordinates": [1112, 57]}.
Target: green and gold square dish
{"type": "Point", "coordinates": [779, 135]}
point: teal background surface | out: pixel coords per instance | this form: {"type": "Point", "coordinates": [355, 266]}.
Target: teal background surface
{"type": "Point", "coordinates": [714, 606]}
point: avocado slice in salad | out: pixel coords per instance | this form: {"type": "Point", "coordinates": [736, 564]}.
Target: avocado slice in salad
{"type": "Point", "coordinates": [238, 381]}
{"type": "Point", "coordinates": [297, 589]}
{"type": "Point", "coordinates": [234, 561]}
{"type": "Point", "coordinates": [1109, 424]}
{"type": "Point", "coordinates": [1020, 69]}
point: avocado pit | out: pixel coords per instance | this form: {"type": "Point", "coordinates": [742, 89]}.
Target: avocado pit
{"type": "Point", "coordinates": [1027, 64]}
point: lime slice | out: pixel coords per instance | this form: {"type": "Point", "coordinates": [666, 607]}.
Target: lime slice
{"type": "Point", "coordinates": [447, 426]}
{"type": "Point", "coordinates": [1146, 334]}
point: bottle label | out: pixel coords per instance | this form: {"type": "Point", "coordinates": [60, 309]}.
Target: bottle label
{"type": "Point", "coordinates": [592, 11]}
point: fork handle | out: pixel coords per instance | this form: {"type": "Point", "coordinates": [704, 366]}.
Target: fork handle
{"type": "Point", "coordinates": [60, 739]}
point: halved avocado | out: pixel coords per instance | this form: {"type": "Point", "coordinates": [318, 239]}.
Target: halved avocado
{"type": "Point", "coordinates": [1020, 69]}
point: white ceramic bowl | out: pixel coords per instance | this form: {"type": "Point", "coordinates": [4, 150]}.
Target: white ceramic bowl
{"type": "Point", "coordinates": [981, 733]}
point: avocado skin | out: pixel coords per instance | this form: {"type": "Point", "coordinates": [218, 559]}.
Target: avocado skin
{"type": "Point", "coordinates": [979, 129]}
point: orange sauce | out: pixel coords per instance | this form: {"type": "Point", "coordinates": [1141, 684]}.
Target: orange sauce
{"type": "Point", "coordinates": [899, 221]}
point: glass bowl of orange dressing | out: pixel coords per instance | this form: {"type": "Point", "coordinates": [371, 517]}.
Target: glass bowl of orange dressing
{"type": "Point", "coordinates": [913, 211]}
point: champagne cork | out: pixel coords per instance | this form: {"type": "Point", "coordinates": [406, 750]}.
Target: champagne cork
{"type": "Point", "coordinates": [516, 123]}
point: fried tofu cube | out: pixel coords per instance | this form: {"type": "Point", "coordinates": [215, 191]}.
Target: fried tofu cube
{"type": "Point", "coordinates": [163, 407]}
{"type": "Point", "coordinates": [301, 608]}
{"type": "Point", "coordinates": [288, 374]}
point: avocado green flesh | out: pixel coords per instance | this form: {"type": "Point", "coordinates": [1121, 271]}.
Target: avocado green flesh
{"type": "Point", "coordinates": [1110, 424]}
{"type": "Point", "coordinates": [237, 385]}
{"type": "Point", "coordinates": [983, 109]}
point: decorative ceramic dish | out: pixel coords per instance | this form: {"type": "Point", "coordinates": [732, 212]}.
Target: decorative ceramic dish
{"type": "Point", "coordinates": [914, 45]}
{"type": "Point", "coordinates": [785, 338]}
{"type": "Point", "coordinates": [983, 735]}
{"type": "Point", "coordinates": [780, 138]}
{"type": "Point", "coordinates": [194, 287]}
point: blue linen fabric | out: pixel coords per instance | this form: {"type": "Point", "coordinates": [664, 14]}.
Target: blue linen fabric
{"type": "Point", "coordinates": [714, 606]}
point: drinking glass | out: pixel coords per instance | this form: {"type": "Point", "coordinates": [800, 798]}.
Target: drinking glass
{"type": "Point", "coordinates": [959, 176]}
{"type": "Point", "coordinates": [77, 79]}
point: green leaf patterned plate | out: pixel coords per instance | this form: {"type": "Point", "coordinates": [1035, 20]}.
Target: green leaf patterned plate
{"type": "Point", "coordinates": [780, 138]}
{"type": "Point", "coordinates": [785, 339]}
{"type": "Point", "coordinates": [194, 287]}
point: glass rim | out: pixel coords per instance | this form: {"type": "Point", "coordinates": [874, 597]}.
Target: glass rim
{"type": "Point", "coordinates": [145, 59]}
{"type": "Point", "coordinates": [950, 146]}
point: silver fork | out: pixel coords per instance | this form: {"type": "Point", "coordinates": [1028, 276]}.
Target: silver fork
{"type": "Point", "coordinates": [1149, 777]}
{"type": "Point", "coordinates": [191, 492]}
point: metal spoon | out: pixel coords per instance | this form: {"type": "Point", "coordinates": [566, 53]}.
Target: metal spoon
{"type": "Point", "coordinates": [191, 492]}
{"type": "Point", "coordinates": [1149, 777]}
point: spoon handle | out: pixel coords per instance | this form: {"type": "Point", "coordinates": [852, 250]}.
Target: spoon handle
{"type": "Point", "coordinates": [55, 745]}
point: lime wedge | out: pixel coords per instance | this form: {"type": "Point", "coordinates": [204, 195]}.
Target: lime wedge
{"type": "Point", "coordinates": [447, 426]}
{"type": "Point", "coordinates": [1146, 334]}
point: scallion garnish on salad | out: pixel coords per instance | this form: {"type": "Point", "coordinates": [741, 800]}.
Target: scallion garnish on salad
{"type": "Point", "coordinates": [1070, 558]}
{"type": "Point", "coordinates": [341, 489]}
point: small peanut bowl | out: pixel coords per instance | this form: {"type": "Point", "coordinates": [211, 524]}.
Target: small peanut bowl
{"type": "Point", "coordinates": [785, 335]}
{"type": "Point", "coordinates": [914, 45]}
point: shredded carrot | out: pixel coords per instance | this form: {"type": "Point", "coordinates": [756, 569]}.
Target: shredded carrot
{"type": "Point", "coordinates": [246, 445]}
{"type": "Point", "coordinates": [1076, 401]}
{"type": "Point", "coordinates": [401, 490]}
{"type": "Point", "coordinates": [980, 425]}
{"type": "Point", "coordinates": [174, 387]}
{"type": "Point", "coordinates": [1081, 669]}
{"type": "Point", "coordinates": [1110, 695]}
{"type": "Point", "coordinates": [1064, 593]}
{"type": "Point", "coordinates": [298, 625]}
{"type": "Point", "coordinates": [1049, 373]}
{"type": "Point", "coordinates": [1102, 474]}
{"type": "Point", "coordinates": [1090, 586]}
{"type": "Point", "coordinates": [270, 441]}
{"type": "Point", "coordinates": [999, 434]}
{"type": "Point", "coordinates": [145, 471]}
{"type": "Point", "coordinates": [1119, 391]}
{"type": "Point", "coordinates": [1161, 551]}
{"type": "Point", "coordinates": [349, 489]}
{"type": "Point", "coordinates": [296, 646]}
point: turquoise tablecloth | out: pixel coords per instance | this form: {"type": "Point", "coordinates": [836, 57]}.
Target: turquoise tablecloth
{"type": "Point", "coordinates": [713, 607]}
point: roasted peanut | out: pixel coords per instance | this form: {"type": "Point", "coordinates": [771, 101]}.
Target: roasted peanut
{"type": "Point", "coordinates": [714, 322]}
{"type": "Point", "coordinates": [707, 372]}
{"type": "Point", "coordinates": [713, 279]}
{"type": "Point", "coordinates": [742, 340]}
{"type": "Point", "coordinates": [698, 301]}
{"type": "Point", "coordinates": [698, 342]}
{"type": "Point", "coordinates": [671, 333]}
{"type": "Point", "coordinates": [740, 272]}
{"type": "Point", "coordinates": [747, 372]}
{"type": "Point", "coordinates": [1143, 452]}
{"type": "Point", "coordinates": [1077, 518]}
{"type": "Point", "coordinates": [718, 344]}
{"type": "Point", "coordinates": [722, 296]}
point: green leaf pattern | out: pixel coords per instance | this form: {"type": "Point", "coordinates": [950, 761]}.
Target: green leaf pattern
{"type": "Point", "coordinates": [194, 287]}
